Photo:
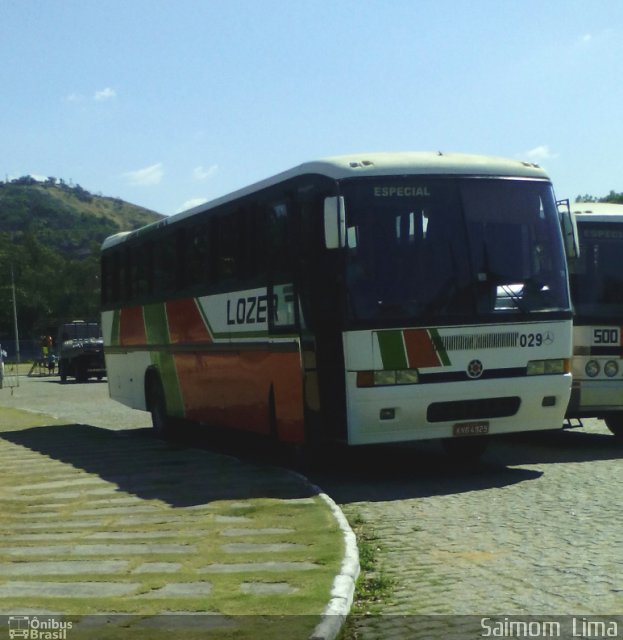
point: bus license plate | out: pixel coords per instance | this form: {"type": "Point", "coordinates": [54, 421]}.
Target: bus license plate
{"type": "Point", "coordinates": [470, 429]}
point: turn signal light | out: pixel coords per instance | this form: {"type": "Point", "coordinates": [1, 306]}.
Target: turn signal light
{"type": "Point", "coordinates": [548, 367]}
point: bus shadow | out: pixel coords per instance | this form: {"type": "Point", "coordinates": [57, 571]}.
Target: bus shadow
{"type": "Point", "coordinates": [388, 473]}
{"type": "Point", "coordinates": [420, 470]}
{"type": "Point", "coordinates": [149, 468]}
{"type": "Point", "coordinates": [368, 473]}
{"type": "Point", "coordinates": [412, 470]}
{"type": "Point", "coordinates": [200, 466]}
{"type": "Point", "coordinates": [557, 446]}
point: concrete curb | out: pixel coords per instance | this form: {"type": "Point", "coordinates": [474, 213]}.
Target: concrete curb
{"type": "Point", "coordinates": [343, 589]}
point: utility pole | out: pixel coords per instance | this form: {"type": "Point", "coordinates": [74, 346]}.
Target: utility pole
{"type": "Point", "coordinates": [17, 353]}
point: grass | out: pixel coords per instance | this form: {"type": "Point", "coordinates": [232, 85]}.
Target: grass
{"type": "Point", "coordinates": [106, 488]}
{"type": "Point", "coordinates": [373, 587]}
{"type": "Point", "coordinates": [12, 370]}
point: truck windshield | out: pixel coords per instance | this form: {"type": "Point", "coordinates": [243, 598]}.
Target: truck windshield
{"type": "Point", "coordinates": [448, 247]}
{"type": "Point", "coordinates": [596, 276]}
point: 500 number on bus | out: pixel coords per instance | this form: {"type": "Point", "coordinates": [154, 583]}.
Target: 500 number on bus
{"type": "Point", "coordinates": [606, 336]}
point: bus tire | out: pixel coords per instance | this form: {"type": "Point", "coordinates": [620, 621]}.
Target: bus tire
{"type": "Point", "coordinates": [157, 406]}
{"type": "Point", "coordinates": [82, 372]}
{"type": "Point", "coordinates": [614, 422]}
{"type": "Point", "coordinates": [62, 370]}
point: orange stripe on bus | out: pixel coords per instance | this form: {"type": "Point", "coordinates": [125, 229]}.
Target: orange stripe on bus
{"type": "Point", "coordinates": [420, 349]}
{"type": "Point", "coordinates": [132, 326]}
{"type": "Point", "coordinates": [231, 389]}
{"type": "Point", "coordinates": [185, 322]}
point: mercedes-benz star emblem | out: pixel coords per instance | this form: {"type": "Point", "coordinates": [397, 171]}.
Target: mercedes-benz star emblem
{"type": "Point", "coordinates": [548, 337]}
{"type": "Point", "coordinates": [475, 369]}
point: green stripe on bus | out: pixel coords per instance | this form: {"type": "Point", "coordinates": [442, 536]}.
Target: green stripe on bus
{"type": "Point", "coordinates": [157, 332]}
{"type": "Point", "coordinates": [156, 325]}
{"type": "Point", "coordinates": [392, 349]}
{"type": "Point", "coordinates": [165, 364]}
{"type": "Point", "coordinates": [439, 348]}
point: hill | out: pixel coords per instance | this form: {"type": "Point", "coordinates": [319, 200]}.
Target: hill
{"type": "Point", "coordinates": [50, 236]}
{"type": "Point", "coordinates": [67, 218]}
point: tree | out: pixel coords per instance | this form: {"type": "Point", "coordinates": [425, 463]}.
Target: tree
{"type": "Point", "coordinates": [50, 235]}
{"type": "Point", "coordinates": [614, 197]}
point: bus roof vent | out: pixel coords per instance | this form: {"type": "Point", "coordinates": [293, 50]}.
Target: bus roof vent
{"type": "Point", "coordinates": [363, 163]}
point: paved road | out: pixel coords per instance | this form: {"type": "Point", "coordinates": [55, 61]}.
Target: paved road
{"type": "Point", "coordinates": [87, 403]}
{"type": "Point", "coordinates": [536, 528]}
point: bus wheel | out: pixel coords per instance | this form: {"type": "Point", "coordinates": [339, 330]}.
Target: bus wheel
{"type": "Point", "coordinates": [614, 422]}
{"type": "Point", "coordinates": [465, 449]}
{"type": "Point", "coordinates": [82, 373]}
{"type": "Point", "coordinates": [157, 406]}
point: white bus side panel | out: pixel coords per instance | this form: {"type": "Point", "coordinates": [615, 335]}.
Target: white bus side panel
{"type": "Point", "coordinates": [600, 393]}
{"type": "Point", "coordinates": [126, 377]}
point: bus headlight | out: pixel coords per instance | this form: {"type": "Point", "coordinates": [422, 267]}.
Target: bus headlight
{"type": "Point", "coordinates": [387, 377]}
{"type": "Point", "coordinates": [407, 376]}
{"type": "Point", "coordinates": [382, 378]}
{"type": "Point", "coordinates": [611, 368]}
{"type": "Point", "coordinates": [547, 367]}
{"type": "Point", "coordinates": [592, 368]}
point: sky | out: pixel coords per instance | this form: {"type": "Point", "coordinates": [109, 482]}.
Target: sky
{"type": "Point", "coordinates": [169, 103]}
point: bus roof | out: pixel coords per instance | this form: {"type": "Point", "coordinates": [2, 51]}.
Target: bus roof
{"type": "Point", "coordinates": [372, 164]}
{"type": "Point", "coordinates": [598, 211]}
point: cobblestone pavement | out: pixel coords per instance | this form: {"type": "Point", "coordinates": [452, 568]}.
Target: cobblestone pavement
{"type": "Point", "coordinates": [535, 528]}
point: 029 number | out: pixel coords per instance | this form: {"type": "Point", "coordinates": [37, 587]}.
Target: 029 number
{"type": "Point", "coordinates": [530, 339]}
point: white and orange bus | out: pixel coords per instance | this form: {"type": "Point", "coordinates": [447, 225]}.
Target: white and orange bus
{"type": "Point", "coordinates": [596, 278]}
{"type": "Point", "coordinates": [360, 299]}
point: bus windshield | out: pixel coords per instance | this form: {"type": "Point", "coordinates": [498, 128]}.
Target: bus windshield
{"type": "Point", "coordinates": [596, 277]}
{"type": "Point", "coordinates": [452, 247]}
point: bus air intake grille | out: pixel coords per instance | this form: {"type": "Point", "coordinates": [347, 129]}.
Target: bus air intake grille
{"type": "Point", "coordinates": [497, 340]}
{"type": "Point", "coordinates": [473, 409]}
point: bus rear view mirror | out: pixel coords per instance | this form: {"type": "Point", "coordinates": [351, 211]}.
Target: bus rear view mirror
{"type": "Point", "coordinates": [334, 223]}
{"type": "Point", "coordinates": [569, 229]}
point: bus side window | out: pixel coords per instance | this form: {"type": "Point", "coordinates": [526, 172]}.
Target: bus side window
{"type": "Point", "coordinates": [248, 245]}
{"type": "Point", "coordinates": [197, 256]}
{"type": "Point", "coordinates": [227, 249]}
{"type": "Point", "coordinates": [125, 276]}
{"type": "Point", "coordinates": [142, 269]}
{"type": "Point", "coordinates": [110, 278]}
{"type": "Point", "coordinates": [282, 304]}
{"type": "Point", "coordinates": [180, 259]}
{"type": "Point", "coordinates": [278, 247]}
{"type": "Point", "coordinates": [164, 263]}
{"type": "Point", "coordinates": [120, 267]}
